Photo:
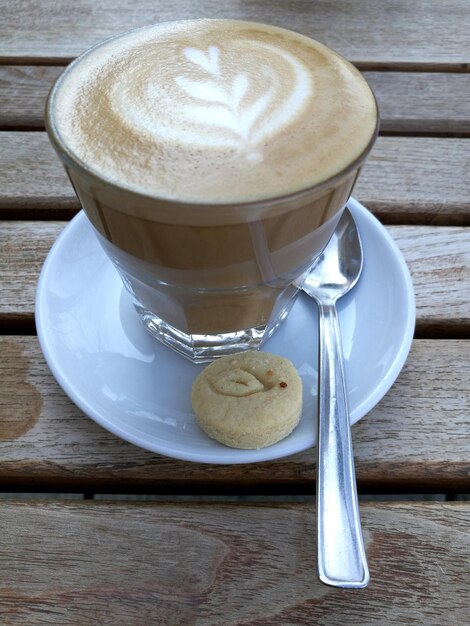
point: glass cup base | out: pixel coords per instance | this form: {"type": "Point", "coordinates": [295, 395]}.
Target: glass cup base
{"type": "Point", "coordinates": [205, 348]}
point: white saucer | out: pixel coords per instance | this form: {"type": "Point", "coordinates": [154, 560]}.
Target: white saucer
{"type": "Point", "coordinates": [139, 389]}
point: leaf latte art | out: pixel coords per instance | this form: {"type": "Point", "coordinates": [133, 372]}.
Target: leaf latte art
{"type": "Point", "coordinates": [214, 111]}
{"type": "Point", "coordinates": [230, 105]}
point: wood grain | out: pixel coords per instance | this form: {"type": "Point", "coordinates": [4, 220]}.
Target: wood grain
{"type": "Point", "coordinates": [414, 439]}
{"type": "Point", "coordinates": [417, 180]}
{"type": "Point", "coordinates": [21, 259]}
{"type": "Point", "coordinates": [422, 103]}
{"type": "Point", "coordinates": [409, 102]}
{"type": "Point", "coordinates": [405, 180]}
{"type": "Point", "coordinates": [23, 93]}
{"type": "Point", "coordinates": [438, 258]}
{"type": "Point", "coordinates": [378, 32]}
{"type": "Point", "coordinates": [179, 564]}
{"type": "Point", "coordinates": [31, 175]}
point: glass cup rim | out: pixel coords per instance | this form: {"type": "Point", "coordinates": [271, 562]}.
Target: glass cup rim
{"type": "Point", "coordinates": [68, 155]}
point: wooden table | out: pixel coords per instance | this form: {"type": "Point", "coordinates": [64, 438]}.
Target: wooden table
{"type": "Point", "coordinates": [187, 555]}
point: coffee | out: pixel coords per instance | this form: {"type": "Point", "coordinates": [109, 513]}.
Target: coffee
{"type": "Point", "coordinates": [214, 111]}
{"type": "Point", "coordinates": [213, 157]}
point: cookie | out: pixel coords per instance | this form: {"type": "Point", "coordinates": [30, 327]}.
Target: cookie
{"type": "Point", "coordinates": [248, 400]}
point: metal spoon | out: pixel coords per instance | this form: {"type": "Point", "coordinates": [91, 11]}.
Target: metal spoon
{"type": "Point", "coordinates": [340, 547]}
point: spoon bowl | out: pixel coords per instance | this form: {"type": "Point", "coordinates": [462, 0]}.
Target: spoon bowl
{"type": "Point", "coordinates": [338, 268]}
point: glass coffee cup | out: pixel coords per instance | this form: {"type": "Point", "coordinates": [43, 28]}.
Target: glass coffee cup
{"type": "Point", "coordinates": [213, 159]}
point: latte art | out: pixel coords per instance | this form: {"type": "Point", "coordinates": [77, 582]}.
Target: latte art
{"type": "Point", "coordinates": [221, 98]}
{"type": "Point", "coordinates": [214, 111]}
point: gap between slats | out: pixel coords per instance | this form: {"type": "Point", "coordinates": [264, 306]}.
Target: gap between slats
{"type": "Point", "coordinates": [363, 66]}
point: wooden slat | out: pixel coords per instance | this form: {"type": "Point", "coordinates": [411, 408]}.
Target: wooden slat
{"type": "Point", "coordinates": [23, 249]}
{"type": "Point", "coordinates": [408, 102]}
{"type": "Point", "coordinates": [415, 439]}
{"type": "Point", "coordinates": [422, 103]}
{"type": "Point", "coordinates": [176, 564]}
{"type": "Point", "coordinates": [378, 32]}
{"type": "Point", "coordinates": [405, 180]}
{"type": "Point", "coordinates": [23, 92]}
{"type": "Point", "coordinates": [438, 258]}
{"type": "Point", "coordinates": [32, 178]}
{"type": "Point", "coordinates": [439, 261]}
{"type": "Point", "coordinates": [417, 180]}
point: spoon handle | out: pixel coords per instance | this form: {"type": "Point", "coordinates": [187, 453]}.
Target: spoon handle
{"type": "Point", "coordinates": [340, 547]}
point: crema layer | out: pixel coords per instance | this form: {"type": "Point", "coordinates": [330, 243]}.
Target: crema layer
{"type": "Point", "coordinates": [213, 111]}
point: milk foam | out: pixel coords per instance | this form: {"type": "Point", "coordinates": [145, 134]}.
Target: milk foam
{"type": "Point", "coordinates": [214, 111]}
{"type": "Point", "coordinates": [211, 104]}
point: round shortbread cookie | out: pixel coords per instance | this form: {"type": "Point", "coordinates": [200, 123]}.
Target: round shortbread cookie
{"type": "Point", "coordinates": [248, 400]}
